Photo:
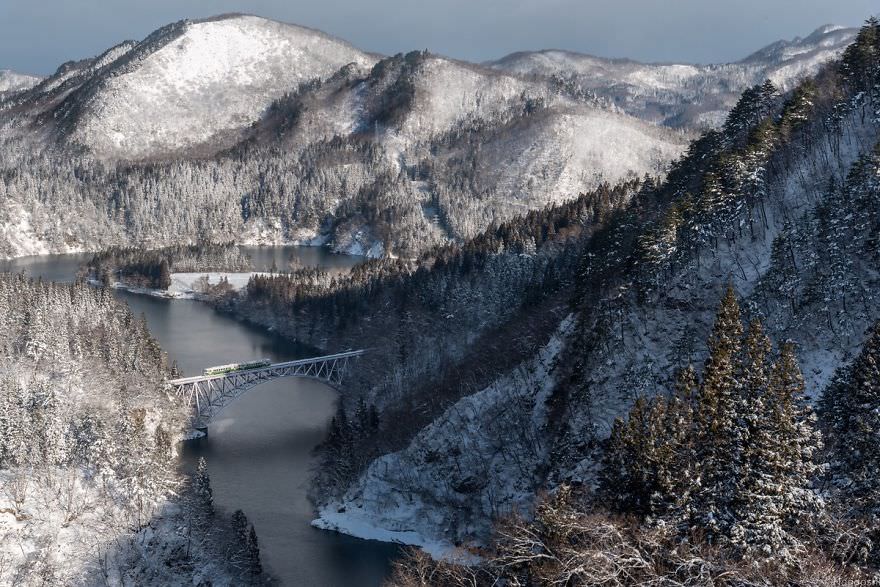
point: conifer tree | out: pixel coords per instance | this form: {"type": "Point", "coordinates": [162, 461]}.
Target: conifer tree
{"type": "Point", "coordinates": [774, 495]}
{"type": "Point", "coordinates": [253, 552]}
{"type": "Point", "coordinates": [646, 466]}
{"type": "Point", "coordinates": [240, 527]}
{"type": "Point", "coordinates": [202, 487]}
{"type": "Point", "coordinates": [719, 429]}
{"type": "Point", "coordinates": [164, 277]}
{"type": "Point", "coordinates": [754, 381]}
{"type": "Point", "coordinates": [851, 407]}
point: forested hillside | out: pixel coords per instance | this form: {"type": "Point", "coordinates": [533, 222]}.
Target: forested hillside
{"type": "Point", "coordinates": [380, 156]}
{"type": "Point", "coordinates": [439, 328]}
{"type": "Point", "coordinates": [721, 473]}
{"type": "Point", "coordinates": [89, 487]}
{"type": "Point", "coordinates": [780, 204]}
{"type": "Point", "coordinates": [12, 81]}
{"type": "Point", "coordinates": [682, 94]}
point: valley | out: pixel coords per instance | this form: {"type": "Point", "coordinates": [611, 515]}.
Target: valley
{"type": "Point", "coordinates": [620, 318]}
{"type": "Point", "coordinates": [260, 449]}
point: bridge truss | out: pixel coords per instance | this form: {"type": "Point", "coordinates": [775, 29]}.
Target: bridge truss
{"type": "Point", "coordinates": [209, 394]}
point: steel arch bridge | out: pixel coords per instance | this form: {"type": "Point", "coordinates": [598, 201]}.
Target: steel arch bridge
{"type": "Point", "coordinates": [209, 394]}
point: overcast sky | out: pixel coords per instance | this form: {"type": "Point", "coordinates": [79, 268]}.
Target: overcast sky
{"type": "Point", "coordinates": [38, 35]}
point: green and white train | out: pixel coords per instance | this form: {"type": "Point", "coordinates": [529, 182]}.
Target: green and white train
{"type": "Point", "coordinates": [221, 369]}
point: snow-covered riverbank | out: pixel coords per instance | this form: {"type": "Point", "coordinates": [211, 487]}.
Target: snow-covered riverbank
{"type": "Point", "coordinates": [435, 503]}
{"type": "Point", "coordinates": [189, 286]}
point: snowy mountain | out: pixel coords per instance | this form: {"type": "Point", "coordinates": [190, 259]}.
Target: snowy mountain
{"type": "Point", "coordinates": [263, 132]}
{"type": "Point", "coordinates": [682, 95]}
{"type": "Point", "coordinates": [281, 134]}
{"type": "Point", "coordinates": [527, 145]}
{"type": "Point", "coordinates": [186, 84]}
{"type": "Point", "coordinates": [12, 81]}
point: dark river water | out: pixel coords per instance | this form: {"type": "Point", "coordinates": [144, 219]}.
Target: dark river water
{"type": "Point", "coordinates": [259, 449]}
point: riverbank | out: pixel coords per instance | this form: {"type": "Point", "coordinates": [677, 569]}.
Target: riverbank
{"type": "Point", "coordinates": [190, 286]}
{"type": "Point", "coordinates": [260, 449]}
{"type": "Point", "coordinates": [25, 244]}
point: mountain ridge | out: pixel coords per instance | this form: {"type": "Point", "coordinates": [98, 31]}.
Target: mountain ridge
{"type": "Point", "coordinates": [682, 95]}
{"type": "Point", "coordinates": [15, 81]}
{"type": "Point", "coordinates": [89, 96]}
{"type": "Point", "coordinates": [818, 32]}
{"type": "Point", "coordinates": [275, 140]}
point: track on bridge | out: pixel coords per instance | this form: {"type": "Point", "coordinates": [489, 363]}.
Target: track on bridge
{"type": "Point", "coordinates": [209, 394]}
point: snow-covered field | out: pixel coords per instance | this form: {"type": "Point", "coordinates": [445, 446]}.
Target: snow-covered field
{"type": "Point", "coordinates": [187, 284]}
{"type": "Point", "coordinates": [191, 286]}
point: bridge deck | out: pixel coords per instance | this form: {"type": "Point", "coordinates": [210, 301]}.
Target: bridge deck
{"type": "Point", "coordinates": [196, 378]}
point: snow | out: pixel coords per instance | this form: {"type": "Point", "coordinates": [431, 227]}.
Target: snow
{"type": "Point", "coordinates": [363, 526]}
{"type": "Point", "coordinates": [182, 283]}
{"type": "Point", "coordinates": [448, 91]}
{"type": "Point", "coordinates": [640, 355]}
{"type": "Point", "coordinates": [572, 152]}
{"type": "Point", "coordinates": [12, 81]}
{"type": "Point", "coordinates": [488, 449]}
{"type": "Point", "coordinates": [20, 238]}
{"type": "Point", "coordinates": [20, 235]}
{"type": "Point", "coordinates": [359, 241]}
{"type": "Point", "coordinates": [218, 76]}
{"type": "Point", "coordinates": [683, 94]}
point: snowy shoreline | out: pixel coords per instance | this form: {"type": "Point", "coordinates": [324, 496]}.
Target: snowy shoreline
{"type": "Point", "coordinates": [346, 522]}
{"type": "Point", "coordinates": [354, 245]}
{"type": "Point", "coordinates": [182, 284]}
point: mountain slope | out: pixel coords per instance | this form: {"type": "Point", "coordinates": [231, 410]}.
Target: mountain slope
{"type": "Point", "coordinates": [260, 132]}
{"type": "Point", "coordinates": [393, 159]}
{"type": "Point", "coordinates": [784, 209]}
{"type": "Point", "coordinates": [461, 130]}
{"type": "Point", "coordinates": [191, 83]}
{"type": "Point", "coordinates": [12, 81]}
{"type": "Point", "coordinates": [682, 95]}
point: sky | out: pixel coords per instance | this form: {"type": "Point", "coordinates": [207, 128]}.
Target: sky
{"type": "Point", "coordinates": [38, 35]}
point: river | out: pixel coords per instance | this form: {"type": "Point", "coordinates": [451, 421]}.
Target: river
{"type": "Point", "coordinates": [259, 449]}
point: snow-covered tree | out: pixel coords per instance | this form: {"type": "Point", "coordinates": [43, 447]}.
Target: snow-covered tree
{"type": "Point", "coordinates": [851, 410]}
{"type": "Point", "coordinates": [202, 487]}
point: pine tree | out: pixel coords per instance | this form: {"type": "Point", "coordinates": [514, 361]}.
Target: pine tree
{"type": "Point", "coordinates": [774, 494]}
{"type": "Point", "coordinates": [253, 552]}
{"type": "Point", "coordinates": [164, 278]}
{"type": "Point", "coordinates": [719, 428]}
{"type": "Point", "coordinates": [627, 475]}
{"type": "Point", "coordinates": [754, 381]}
{"type": "Point", "coordinates": [798, 439]}
{"type": "Point", "coordinates": [240, 527]}
{"type": "Point", "coordinates": [851, 407]}
{"type": "Point", "coordinates": [202, 487]}
{"type": "Point", "coordinates": [646, 466]}
{"type": "Point", "coordinates": [373, 418]}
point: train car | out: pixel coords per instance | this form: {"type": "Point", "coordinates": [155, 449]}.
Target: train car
{"type": "Point", "coordinates": [221, 369]}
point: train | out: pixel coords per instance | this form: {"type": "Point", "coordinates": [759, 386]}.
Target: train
{"type": "Point", "coordinates": [221, 369]}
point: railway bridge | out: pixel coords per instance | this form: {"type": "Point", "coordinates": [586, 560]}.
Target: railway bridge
{"type": "Point", "coordinates": [208, 394]}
